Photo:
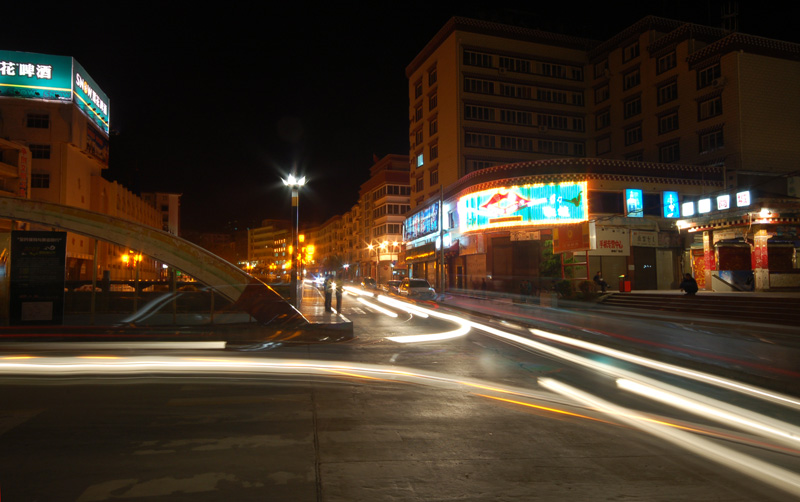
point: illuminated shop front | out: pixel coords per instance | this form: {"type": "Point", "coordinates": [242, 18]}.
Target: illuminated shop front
{"type": "Point", "coordinates": [739, 241]}
{"type": "Point", "coordinates": [499, 223]}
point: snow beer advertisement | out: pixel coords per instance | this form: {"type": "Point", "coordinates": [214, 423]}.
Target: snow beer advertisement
{"type": "Point", "coordinates": [524, 205]}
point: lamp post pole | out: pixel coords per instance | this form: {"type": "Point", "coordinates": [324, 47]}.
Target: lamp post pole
{"type": "Point", "coordinates": [294, 184]}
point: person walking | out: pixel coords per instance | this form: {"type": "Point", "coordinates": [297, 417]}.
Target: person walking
{"type": "Point", "coordinates": [689, 285]}
{"type": "Point", "coordinates": [598, 279]}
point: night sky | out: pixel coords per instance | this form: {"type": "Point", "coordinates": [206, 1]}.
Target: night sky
{"type": "Point", "coordinates": [218, 104]}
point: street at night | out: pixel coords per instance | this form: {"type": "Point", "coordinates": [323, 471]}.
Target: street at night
{"type": "Point", "coordinates": [389, 415]}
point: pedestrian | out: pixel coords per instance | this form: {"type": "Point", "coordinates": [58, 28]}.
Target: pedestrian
{"type": "Point", "coordinates": [689, 285]}
{"type": "Point", "coordinates": [483, 286]}
{"type": "Point", "coordinates": [339, 297]}
{"type": "Point", "coordinates": [598, 279]}
{"type": "Point", "coordinates": [328, 293]}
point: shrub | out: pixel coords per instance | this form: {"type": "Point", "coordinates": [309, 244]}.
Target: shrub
{"type": "Point", "coordinates": [588, 290]}
{"type": "Point", "coordinates": [564, 289]}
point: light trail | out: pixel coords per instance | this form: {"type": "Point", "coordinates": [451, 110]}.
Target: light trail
{"type": "Point", "coordinates": [377, 308]}
{"type": "Point", "coordinates": [673, 369]}
{"type": "Point", "coordinates": [706, 407]}
{"type": "Point", "coordinates": [777, 477]}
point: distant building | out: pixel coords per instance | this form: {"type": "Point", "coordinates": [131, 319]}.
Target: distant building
{"type": "Point", "coordinates": [168, 204]}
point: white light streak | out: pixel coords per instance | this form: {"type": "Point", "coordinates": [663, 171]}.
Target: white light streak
{"type": "Point", "coordinates": [377, 308]}
{"type": "Point", "coordinates": [675, 370]}
{"type": "Point", "coordinates": [780, 478]}
{"type": "Point", "coordinates": [706, 407]}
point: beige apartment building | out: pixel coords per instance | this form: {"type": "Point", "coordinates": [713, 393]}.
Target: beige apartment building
{"type": "Point", "coordinates": [491, 103]}
{"type": "Point", "coordinates": [483, 94]}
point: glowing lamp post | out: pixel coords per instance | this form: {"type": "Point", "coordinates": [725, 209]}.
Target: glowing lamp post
{"type": "Point", "coordinates": [294, 185]}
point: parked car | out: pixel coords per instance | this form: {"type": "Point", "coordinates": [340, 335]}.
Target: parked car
{"type": "Point", "coordinates": [369, 283]}
{"type": "Point", "coordinates": [391, 286]}
{"type": "Point", "coordinates": [416, 288]}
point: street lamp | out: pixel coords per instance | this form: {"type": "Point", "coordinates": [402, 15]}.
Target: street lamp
{"type": "Point", "coordinates": [294, 184]}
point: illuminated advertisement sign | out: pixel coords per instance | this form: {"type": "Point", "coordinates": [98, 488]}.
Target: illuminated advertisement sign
{"type": "Point", "coordinates": [523, 205]}
{"type": "Point", "coordinates": [743, 199]}
{"type": "Point", "coordinates": [422, 223]}
{"type": "Point", "coordinates": [30, 75]}
{"type": "Point", "coordinates": [634, 203]}
{"type": "Point", "coordinates": [43, 76]}
{"type": "Point", "coordinates": [723, 202]}
{"type": "Point", "coordinates": [669, 205]}
{"type": "Point", "coordinates": [688, 209]}
{"type": "Point", "coordinates": [703, 205]}
{"type": "Point", "coordinates": [90, 99]}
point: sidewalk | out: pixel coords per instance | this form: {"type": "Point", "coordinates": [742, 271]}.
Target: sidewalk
{"type": "Point", "coordinates": [312, 306]}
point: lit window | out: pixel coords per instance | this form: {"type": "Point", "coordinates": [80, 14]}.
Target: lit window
{"type": "Point", "coordinates": [420, 159]}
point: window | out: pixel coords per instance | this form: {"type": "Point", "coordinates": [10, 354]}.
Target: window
{"type": "Point", "coordinates": [709, 108]}
{"type": "Point", "coordinates": [513, 64]}
{"type": "Point", "coordinates": [601, 94]}
{"type": "Point", "coordinates": [432, 76]}
{"type": "Point", "coordinates": [603, 145]}
{"type": "Point", "coordinates": [551, 121]}
{"type": "Point", "coordinates": [666, 62]}
{"type": "Point", "coordinates": [577, 98]}
{"type": "Point", "coordinates": [668, 122]}
{"type": "Point", "coordinates": [434, 126]}
{"type": "Point", "coordinates": [601, 69]}
{"type": "Point", "coordinates": [420, 184]}
{"type": "Point", "coordinates": [474, 165]}
{"type": "Point", "coordinates": [630, 52]}
{"type": "Point", "coordinates": [516, 117]}
{"type": "Point", "coordinates": [517, 144]}
{"type": "Point", "coordinates": [633, 135]}
{"type": "Point", "coordinates": [434, 151]}
{"type": "Point", "coordinates": [478, 86]}
{"type": "Point", "coordinates": [706, 76]}
{"type": "Point", "coordinates": [473, 58]}
{"type": "Point", "coordinates": [418, 89]}
{"type": "Point", "coordinates": [602, 120]}
{"type": "Point", "coordinates": [669, 152]}
{"type": "Point", "coordinates": [40, 180]}
{"type": "Point", "coordinates": [479, 140]}
{"type": "Point", "coordinates": [418, 113]}
{"type": "Point", "coordinates": [711, 141]}
{"type": "Point", "coordinates": [631, 79]}
{"type": "Point", "coordinates": [667, 92]}
{"type": "Point", "coordinates": [418, 137]}
{"type": "Point", "coordinates": [40, 151]}
{"type": "Point", "coordinates": [420, 159]}
{"type": "Point", "coordinates": [578, 124]}
{"type": "Point", "coordinates": [432, 101]}
{"type": "Point", "coordinates": [38, 120]}
{"type": "Point", "coordinates": [478, 112]}
{"type": "Point", "coordinates": [635, 156]}
{"type": "Point", "coordinates": [434, 177]}
{"type": "Point", "coordinates": [632, 107]}
{"type": "Point", "coordinates": [549, 95]}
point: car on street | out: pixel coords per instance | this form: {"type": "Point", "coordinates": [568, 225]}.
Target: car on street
{"type": "Point", "coordinates": [416, 288]}
{"type": "Point", "coordinates": [369, 283]}
{"type": "Point", "coordinates": [391, 286]}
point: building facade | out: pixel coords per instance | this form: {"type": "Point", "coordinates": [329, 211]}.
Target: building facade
{"type": "Point", "coordinates": [54, 126]}
{"type": "Point", "coordinates": [665, 96]}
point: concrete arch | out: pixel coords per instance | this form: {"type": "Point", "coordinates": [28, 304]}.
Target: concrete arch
{"type": "Point", "coordinates": [247, 293]}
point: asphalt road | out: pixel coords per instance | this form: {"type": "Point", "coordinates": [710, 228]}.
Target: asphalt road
{"type": "Point", "coordinates": [491, 412]}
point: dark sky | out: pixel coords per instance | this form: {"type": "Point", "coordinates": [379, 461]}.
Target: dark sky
{"type": "Point", "coordinates": [217, 103]}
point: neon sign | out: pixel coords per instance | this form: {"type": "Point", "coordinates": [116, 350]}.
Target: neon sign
{"type": "Point", "coordinates": [669, 205]}
{"type": "Point", "coordinates": [634, 202]}
{"type": "Point", "coordinates": [523, 205]}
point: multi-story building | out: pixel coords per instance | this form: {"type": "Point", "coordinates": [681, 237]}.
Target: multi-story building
{"type": "Point", "coordinates": [483, 94]}
{"type": "Point", "coordinates": [384, 200]}
{"type": "Point", "coordinates": [51, 108]}
{"type": "Point", "coordinates": [169, 205]}
{"type": "Point", "coordinates": [493, 104]}
{"type": "Point", "coordinates": [268, 252]}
